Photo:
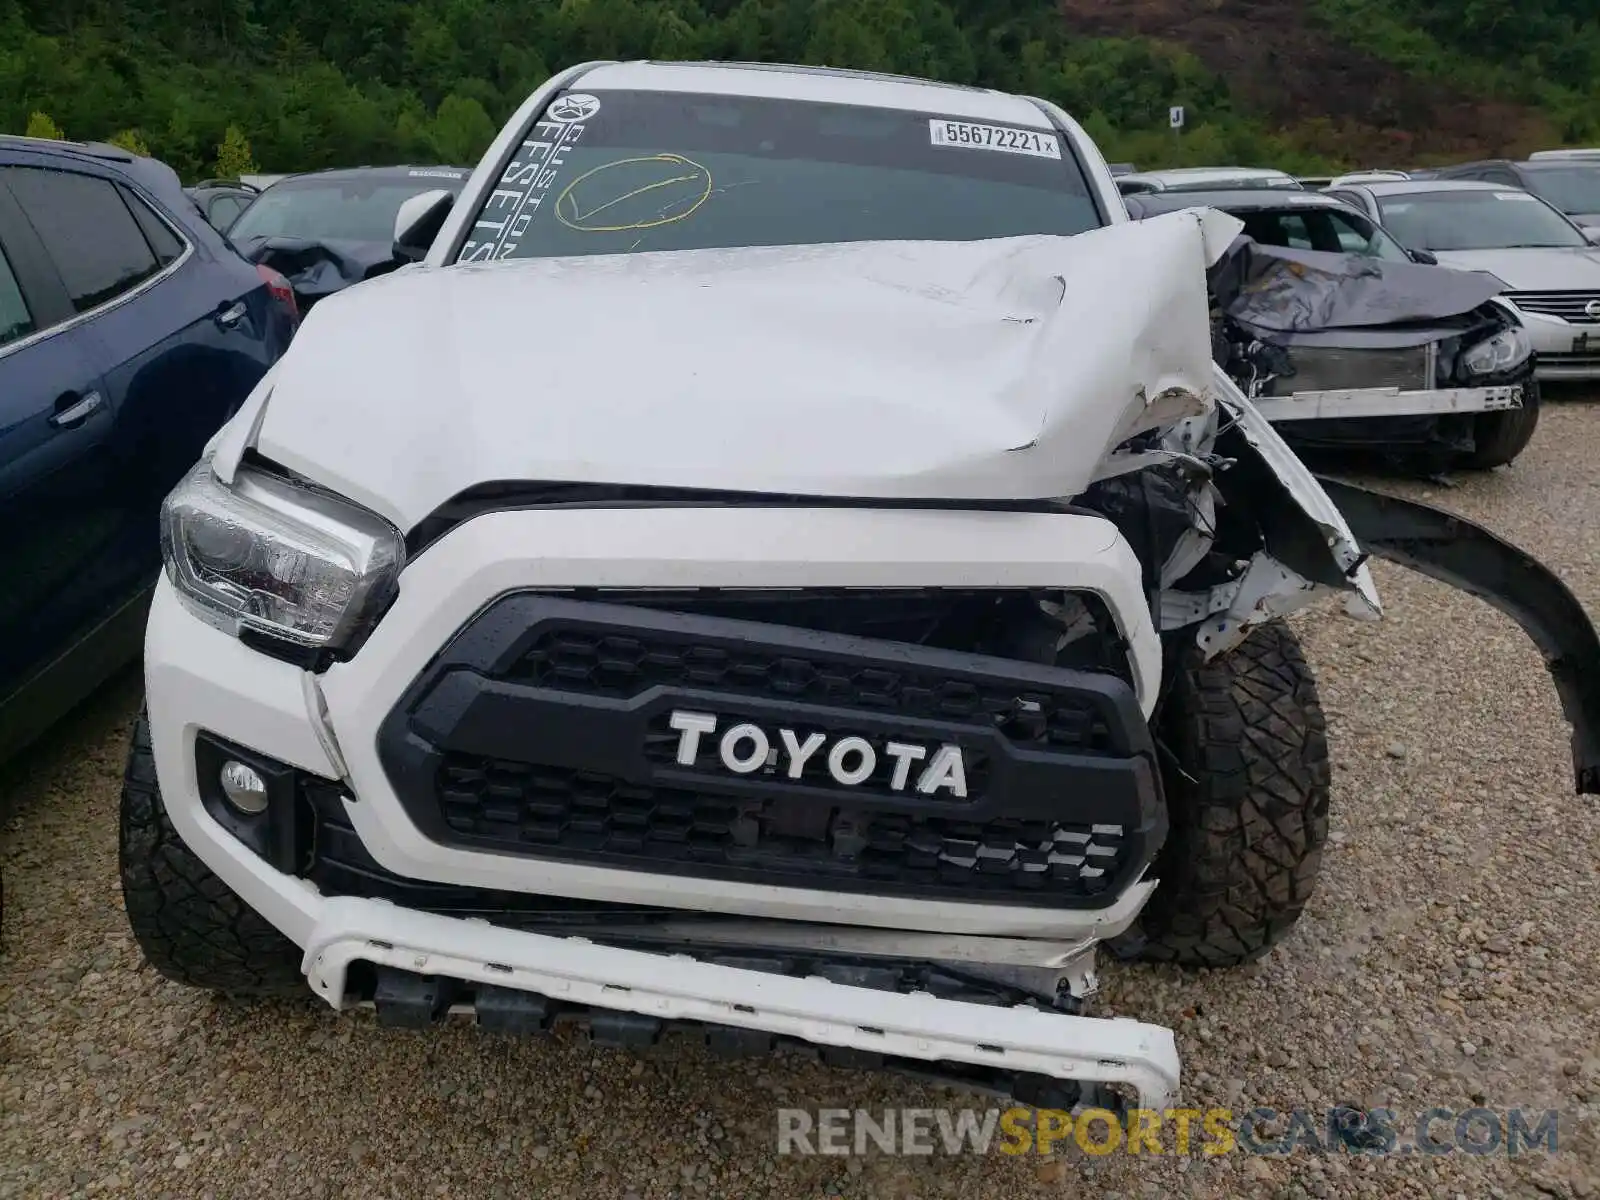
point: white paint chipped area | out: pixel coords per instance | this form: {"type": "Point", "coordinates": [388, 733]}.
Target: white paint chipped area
{"type": "Point", "coordinates": [1452, 952]}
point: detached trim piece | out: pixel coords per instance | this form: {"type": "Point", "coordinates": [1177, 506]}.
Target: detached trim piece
{"type": "Point", "coordinates": [1387, 402]}
{"type": "Point", "coordinates": [1453, 550]}
{"type": "Point", "coordinates": [574, 970]}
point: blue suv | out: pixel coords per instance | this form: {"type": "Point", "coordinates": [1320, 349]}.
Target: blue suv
{"type": "Point", "coordinates": [130, 330]}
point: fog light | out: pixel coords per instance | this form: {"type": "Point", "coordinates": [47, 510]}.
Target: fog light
{"type": "Point", "coordinates": [244, 787]}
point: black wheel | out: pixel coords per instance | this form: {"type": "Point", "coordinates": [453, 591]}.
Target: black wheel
{"type": "Point", "coordinates": [1248, 805]}
{"type": "Point", "coordinates": [1498, 437]}
{"type": "Point", "coordinates": [191, 926]}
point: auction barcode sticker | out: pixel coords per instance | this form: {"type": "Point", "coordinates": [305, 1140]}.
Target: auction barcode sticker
{"type": "Point", "coordinates": [994, 137]}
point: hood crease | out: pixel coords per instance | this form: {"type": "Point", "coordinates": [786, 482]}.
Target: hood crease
{"type": "Point", "coordinates": [1003, 369]}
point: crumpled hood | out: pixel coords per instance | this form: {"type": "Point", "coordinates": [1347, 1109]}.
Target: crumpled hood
{"type": "Point", "coordinates": [1289, 296]}
{"type": "Point", "coordinates": [1534, 270]}
{"type": "Point", "coordinates": [1002, 369]}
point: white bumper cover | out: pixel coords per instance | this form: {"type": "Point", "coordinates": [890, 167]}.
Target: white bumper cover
{"type": "Point", "coordinates": [199, 678]}
{"type": "Point", "coordinates": [916, 1025]}
{"type": "Point", "coordinates": [1567, 351]}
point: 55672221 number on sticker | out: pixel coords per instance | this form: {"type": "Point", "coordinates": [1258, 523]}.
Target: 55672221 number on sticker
{"type": "Point", "coordinates": [994, 137]}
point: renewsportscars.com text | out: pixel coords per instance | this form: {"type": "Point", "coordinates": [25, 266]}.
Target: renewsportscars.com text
{"type": "Point", "coordinates": [1181, 1131]}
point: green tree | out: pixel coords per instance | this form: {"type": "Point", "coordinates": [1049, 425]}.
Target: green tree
{"type": "Point", "coordinates": [233, 155]}
{"type": "Point", "coordinates": [325, 84]}
{"type": "Point", "coordinates": [461, 130]}
{"type": "Point", "coordinates": [41, 126]}
{"type": "Point", "coordinates": [130, 140]}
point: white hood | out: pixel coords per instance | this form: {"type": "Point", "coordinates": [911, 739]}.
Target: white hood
{"type": "Point", "coordinates": [1553, 269]}
{"type": "Point", "coordinates": [1002, 369]}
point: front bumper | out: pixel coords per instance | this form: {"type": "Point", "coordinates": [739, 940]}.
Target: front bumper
{"type": "Point", "coordinates": [917, 1027]}
{"type": "Point", "coordinates": [200, 680]}
{"type": "Point", "coordinates": [1565, 351]}
{"type": "Point", "coordinates": [1379, 403]}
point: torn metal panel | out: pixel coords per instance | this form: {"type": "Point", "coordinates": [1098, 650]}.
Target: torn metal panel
{"type": "Point", "coordinates": [1453, 550]}
{"type": "Point", "coordinates": [1304, 493]}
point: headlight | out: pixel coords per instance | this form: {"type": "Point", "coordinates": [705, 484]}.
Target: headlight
{"type": "Point", "coordinates": [1506, 349]}
{"type": "Point", "coordinates": [265, 554]}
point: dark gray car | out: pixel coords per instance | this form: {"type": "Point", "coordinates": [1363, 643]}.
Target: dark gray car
{"type": "Point", "coordinates": [1570, 184]}
{"type": "Point", "coordinates": [1343, 336]}
{"type": "Point", "coordinates": [328, 229]}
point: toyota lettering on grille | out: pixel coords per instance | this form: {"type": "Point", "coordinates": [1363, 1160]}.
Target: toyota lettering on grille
{"type": "Point", "coordinates": [745, 748]}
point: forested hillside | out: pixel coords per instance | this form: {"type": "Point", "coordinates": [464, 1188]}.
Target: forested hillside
{"type": "Point", "coordinates": [1302, 83]}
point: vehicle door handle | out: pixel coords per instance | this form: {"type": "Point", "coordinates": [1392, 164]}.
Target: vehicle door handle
{"type": "Point", "coordinates": [232, 315]}
{"type": "Point", "coordinates": [73, 409]}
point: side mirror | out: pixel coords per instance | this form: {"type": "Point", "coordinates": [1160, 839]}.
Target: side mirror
{"type": "Point", "coordinates": [418, 222]}
{"type": "Point", "coordinates": [1592, 233]}
{"type": "Point", "coordinates": [1426, 257]}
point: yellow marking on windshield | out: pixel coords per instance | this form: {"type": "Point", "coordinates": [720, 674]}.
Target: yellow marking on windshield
{"type": "Point", "coordinates": [567, 202]}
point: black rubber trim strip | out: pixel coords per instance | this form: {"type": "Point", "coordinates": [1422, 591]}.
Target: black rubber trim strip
{"type": "Point", "coordinates": [523, 495]}
{"type": "Point", "coordinates": [1453, 550]}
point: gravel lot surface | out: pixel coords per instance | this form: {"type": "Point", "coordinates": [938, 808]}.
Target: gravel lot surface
{"type": "Point", "coordinates": [1451, 957]}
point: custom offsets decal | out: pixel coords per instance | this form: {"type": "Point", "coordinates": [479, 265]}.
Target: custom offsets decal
{"type": "Point", "coordinates": [527, 179]}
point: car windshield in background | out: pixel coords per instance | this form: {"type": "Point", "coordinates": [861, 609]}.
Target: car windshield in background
{"type": "Point", "coordinates": [1325, 229]}
{"type": "Point", "coordinates": [1572, 189]}
{"type": "Point", "coordinates": [1475, 220]}
{"type": "Point", "coordinates": [616, 171]}
{"type": "Point", "coordinates": [352, 209]}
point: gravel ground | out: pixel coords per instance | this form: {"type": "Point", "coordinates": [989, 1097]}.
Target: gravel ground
{"type": "Point", "coordinates": [1450, 958]}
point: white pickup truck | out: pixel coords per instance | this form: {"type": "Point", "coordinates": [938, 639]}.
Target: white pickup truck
{"type": "Point", "coordinates": [785, 564]}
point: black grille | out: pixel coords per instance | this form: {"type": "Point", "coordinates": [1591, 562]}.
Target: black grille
{"type": "Point", "coordinates": [545, 729]}
{"type": "Point", "coordinates": [594, 814]}
{"type": "Point", "coordinates": [576, 658]}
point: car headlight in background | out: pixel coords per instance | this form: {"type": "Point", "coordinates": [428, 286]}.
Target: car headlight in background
{"type": "Point", "coordinates": [1507, 349]}
{"type": "Point", "coordinates": [282, 559]}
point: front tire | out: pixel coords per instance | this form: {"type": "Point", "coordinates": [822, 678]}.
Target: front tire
{"type": "Point", "coordinates": [191, 926]}
{"type": "Point", "coordinates": [1498, 437]}
{"type": "Point", "coordinates": [1247, 802]}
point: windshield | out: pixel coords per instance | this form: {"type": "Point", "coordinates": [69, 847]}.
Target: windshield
{"type": "Point", "coordinates": [1474, 220]}
{"type": "Point", "coordinates": [1572, 189]}
{"type": "Point", "coordinates": [353, 208]}
{"type": "Point", "coordinates": [1326, 229]}
{"type": "Point", "coordinates": [616, 171]}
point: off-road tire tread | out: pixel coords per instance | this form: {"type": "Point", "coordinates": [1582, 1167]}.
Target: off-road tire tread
{"type": "Point", "coordinates": [191, 926]}
{"type": "Point", "coordinates": [1247, 831]}
{"type": "Point", "coordinates": [1498, 437]}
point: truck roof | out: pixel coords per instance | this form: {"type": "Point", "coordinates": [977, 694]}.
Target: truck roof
{"type": "Point", "coordinates": [782, 81]}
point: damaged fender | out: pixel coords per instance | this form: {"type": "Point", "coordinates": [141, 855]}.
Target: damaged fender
{"type": "Point", "coordinates": [1453, 550]}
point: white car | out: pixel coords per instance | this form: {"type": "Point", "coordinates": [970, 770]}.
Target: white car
{"type": "Point", "coordinates": [1365, 177]}
{"type": "Point", "coordinates": [1201, 179]}
{"type": "Point", "coordinates": [742, 577]}
{"type": "Point", "coordinates": [1550, 266]}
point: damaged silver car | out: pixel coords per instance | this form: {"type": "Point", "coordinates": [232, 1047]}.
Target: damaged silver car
{"type": "Point", "coordinates": [1345, 339]}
